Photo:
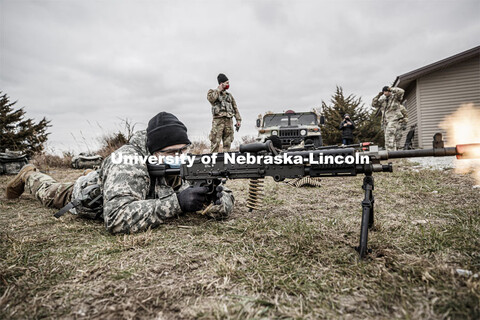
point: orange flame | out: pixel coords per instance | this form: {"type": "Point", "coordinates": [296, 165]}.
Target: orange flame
{"type": "Point", "coordinates": [463, 127]}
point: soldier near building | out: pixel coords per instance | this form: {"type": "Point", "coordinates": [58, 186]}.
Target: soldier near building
{"type": "Point", "coordinates": [394, 115]}
{"type": "Point", "coordinates": [131, 201]}
{"type": "Point", "coordinates": [224, 108]}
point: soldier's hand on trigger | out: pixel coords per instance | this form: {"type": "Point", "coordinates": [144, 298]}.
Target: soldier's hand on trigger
{"type": "Point", "coordinates": [192, 199]}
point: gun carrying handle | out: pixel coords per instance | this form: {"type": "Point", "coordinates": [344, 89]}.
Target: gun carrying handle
{"type": "Point", "coordinates": [258, 146]}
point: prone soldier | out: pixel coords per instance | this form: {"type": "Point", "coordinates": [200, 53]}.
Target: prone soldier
{"type": "Point", "coordinates": [394, 115]}
{"type": "Point", "coordinates": [224, 108]}
{"type": "Point", "coordinates": [132, 200]}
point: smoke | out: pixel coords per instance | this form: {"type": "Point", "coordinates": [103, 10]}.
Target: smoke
{"type": "Point", "coordinates": [463, 127]}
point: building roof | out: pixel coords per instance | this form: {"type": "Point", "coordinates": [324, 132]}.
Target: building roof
{"type": "Point", "coordinates": [405, 79]}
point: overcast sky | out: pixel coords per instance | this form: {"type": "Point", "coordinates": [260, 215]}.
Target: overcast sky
{"type": "Point", "coordinates": [87, 64]}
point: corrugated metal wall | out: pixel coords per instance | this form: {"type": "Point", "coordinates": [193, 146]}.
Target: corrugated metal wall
{"type": "Point", "coordinates": [410, 102]}
{"type": "Point", "coordinates": [442, 92]}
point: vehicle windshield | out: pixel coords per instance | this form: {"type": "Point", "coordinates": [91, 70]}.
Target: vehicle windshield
{"type": "Point", "coordinates": [303, 119]}
{"type": "Point", "coordinates": [272, 120]}
{"type": "Point", "coordinates": [300, 119]}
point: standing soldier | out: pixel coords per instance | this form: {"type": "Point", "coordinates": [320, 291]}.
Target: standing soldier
{"type": "Point", "coordinates": [224, 108]}
{"type": "Point", "coordinates": [394, 115]}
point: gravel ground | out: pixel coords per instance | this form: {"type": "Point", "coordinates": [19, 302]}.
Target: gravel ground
{"type": "Point", "coordinates": [445, 163]}
{"type": "Point", "coordinates": [440, 163]}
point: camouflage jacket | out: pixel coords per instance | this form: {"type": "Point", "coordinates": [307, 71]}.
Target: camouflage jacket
{"type": "Point", "coordinates": [223, 104]}
{"type": "Point", "coordinates": [127, 207]}
{"type": "Point", "coordinates": [391, 107]}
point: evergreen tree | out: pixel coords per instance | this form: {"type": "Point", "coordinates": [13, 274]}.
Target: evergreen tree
{"type": "Point", "coordinates": [18, 133]}
{"type": "Point", "coordinates": [367, 125]}
{"type": "Point", "coordinates": [371, 130]}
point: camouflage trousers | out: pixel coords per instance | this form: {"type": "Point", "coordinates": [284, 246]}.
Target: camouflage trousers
{"type": "Point", "coordinates": [51, 193]}
{"type": "Point", "coordinates": [222, 129]}
{"type": "Point", "coordinates": [393, 135]}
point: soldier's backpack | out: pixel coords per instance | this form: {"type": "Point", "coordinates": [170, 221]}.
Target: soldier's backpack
{"type": "Point", "coordinates": [12, 161]}
{"type": "Point", "coordinates": [86, 161]}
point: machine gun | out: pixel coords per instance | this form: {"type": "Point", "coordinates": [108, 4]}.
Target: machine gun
{"type": "Point", "coordinates": [213, 174]}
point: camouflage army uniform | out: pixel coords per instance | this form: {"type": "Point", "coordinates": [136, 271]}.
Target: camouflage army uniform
{"type": "Point", "coordinates": [394, 116]}
{"type": "Point", "coordinates": [128, 206]}
{"type": "Point", "coordinates": [51, 193]}
{"type": "Point", "coordinates": [224, 108]}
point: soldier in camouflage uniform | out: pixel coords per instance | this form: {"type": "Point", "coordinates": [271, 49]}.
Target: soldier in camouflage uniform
{"type": "Point", "coordinates": [224, 108]}
{"type": "Point", "coordinates": [394, 115]}
{"type": "Point", "coordinates": [43, 187]}
{"type": "Point", "coordinates": [129, 203]}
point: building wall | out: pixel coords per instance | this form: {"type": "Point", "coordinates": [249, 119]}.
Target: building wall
{"type": "Point", "coordinates": [442, 92]}
{"type": "Point", "coordinates": [410, 102]}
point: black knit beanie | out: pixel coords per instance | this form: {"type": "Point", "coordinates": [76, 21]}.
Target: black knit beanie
{"type": "Point", "coordinates": [165, 130]}
{"type": "Point", "coordinates": [221, 78]}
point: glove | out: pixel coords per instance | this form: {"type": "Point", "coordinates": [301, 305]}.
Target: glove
{"type": "Point", "coordinates": [223, 204]}
{"type": "Point", "coordinates": [237, 126]}
{"type": "Point", "coordinates": [192, 198]}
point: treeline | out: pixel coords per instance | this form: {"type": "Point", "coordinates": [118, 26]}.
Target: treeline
{"type": "Point", "coordinates": [23, 134]}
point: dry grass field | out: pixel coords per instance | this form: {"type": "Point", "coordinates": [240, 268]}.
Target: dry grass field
{"type": "Point", "coordinates": [293, 259]}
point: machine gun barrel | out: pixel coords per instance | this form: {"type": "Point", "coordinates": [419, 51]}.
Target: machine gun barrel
{"type": "Point", "coordinates": [434, 152]}
{"type": "Point", "coordinates": [462, 151]}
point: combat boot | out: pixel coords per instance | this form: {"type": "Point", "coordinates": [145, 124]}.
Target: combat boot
{"type": "Point", "coordinates": [16, 186]}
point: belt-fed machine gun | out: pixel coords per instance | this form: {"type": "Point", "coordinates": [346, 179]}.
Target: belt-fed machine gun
{"type": "Point", "coordinates": [259, 160]}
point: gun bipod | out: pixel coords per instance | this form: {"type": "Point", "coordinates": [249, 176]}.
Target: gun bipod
{"type": "Point", "coordinates": [367, 214]}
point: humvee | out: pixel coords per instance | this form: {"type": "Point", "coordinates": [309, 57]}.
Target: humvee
{"type": "Point", "coordinates": [291, 127]}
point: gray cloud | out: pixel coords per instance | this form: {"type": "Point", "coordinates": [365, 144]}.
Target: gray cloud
{"type": "Point", "coordinates": [80, 63]}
